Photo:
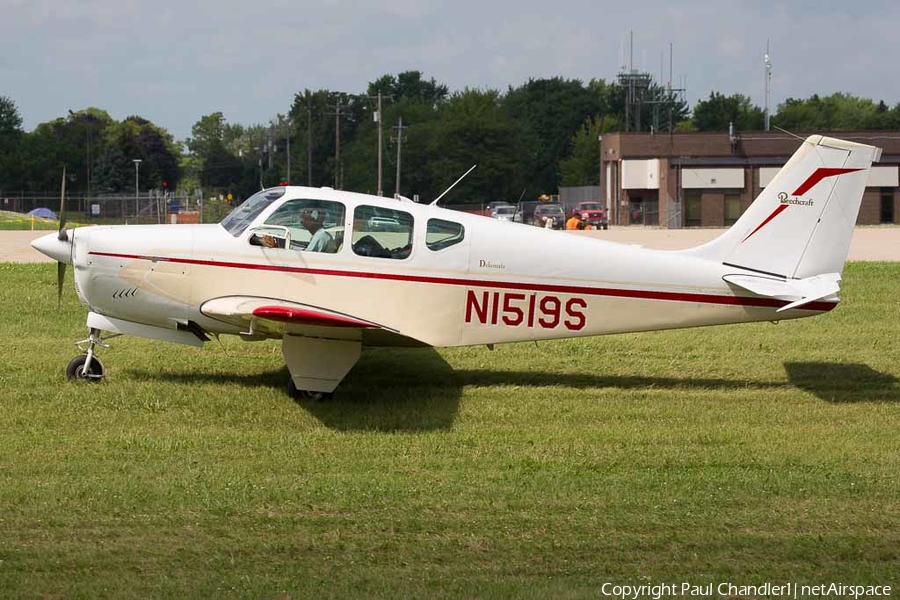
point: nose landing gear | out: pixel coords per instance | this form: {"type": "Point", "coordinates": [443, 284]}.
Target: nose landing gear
{"type": "Point", "coordinates": [86, 366]}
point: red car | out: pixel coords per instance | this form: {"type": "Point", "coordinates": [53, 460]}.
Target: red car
{"type": "Point", "coordinates": [590, 213]}
{"type": "Point", "coordinates": [549, 212]}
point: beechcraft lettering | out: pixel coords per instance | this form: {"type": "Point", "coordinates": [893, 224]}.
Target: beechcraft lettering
{"type": "Point", "coordinates": [783, 198]}
{"type": "Point", "coordinates": [327, 272]}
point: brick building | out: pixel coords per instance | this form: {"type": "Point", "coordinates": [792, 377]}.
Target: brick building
{"type": "Point", "coordinates": [709, 179]}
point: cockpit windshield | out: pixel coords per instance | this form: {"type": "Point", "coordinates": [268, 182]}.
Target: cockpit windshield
{"type": "Point", "coordinates": [240, 218]}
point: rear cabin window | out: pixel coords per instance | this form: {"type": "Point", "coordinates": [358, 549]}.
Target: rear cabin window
{"type": "Point", "coordinates": [382, 232]}
{"type": "Point", "coordinates": [442, 234]}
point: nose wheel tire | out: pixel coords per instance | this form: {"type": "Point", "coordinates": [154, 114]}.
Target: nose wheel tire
{"type": "Point", "coordinates": [75, 370]}
{"type": "Point", "coordinates": [301, 395]}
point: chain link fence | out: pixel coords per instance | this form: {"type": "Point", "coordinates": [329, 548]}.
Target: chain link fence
{"type": "Point", "coordinates": [154, 206]}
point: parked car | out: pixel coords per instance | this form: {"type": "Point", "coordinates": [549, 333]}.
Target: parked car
{"type": "Point", "coordinates": [551, 212]}
{"type": "Point", "coordinates": [384, 224]}
{"type": "Point", "coordinates": [493, 206]}
{"type": "Point", "coordinates": [591, 213]}
{"type": "Point", "coordinates": [504, 213]}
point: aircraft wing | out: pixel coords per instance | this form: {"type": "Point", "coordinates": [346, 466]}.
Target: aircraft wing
{"type": "Point", "coordinates": [261, 318]}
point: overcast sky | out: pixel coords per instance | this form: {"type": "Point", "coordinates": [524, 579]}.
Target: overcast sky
{"type": "Point", "coordinates": [173, 62]}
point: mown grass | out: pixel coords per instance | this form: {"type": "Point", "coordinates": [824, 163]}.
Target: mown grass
{"type": "Point", "coordinates": [746, 454]}
{"type": "Point", "coordinates": [19, 221]}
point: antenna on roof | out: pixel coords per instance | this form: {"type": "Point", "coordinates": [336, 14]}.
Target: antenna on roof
{"type": "Point", "coordinates": [435, 201]}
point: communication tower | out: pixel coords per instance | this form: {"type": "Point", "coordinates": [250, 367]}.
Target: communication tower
{"type": "Point", "coordinates": [643, 99]}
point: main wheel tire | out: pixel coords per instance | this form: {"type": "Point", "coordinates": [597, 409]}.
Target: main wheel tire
{"type": "Point", "coordinates": [75, 369]}
{"type": "Point", "coordinates": [300, 395]}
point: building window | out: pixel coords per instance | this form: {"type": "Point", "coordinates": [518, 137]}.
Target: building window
{"type": "Point", "coordinates": [692, 208]}
{"type": "Point", "coordinates": [887, 205]}
{"type": "Point", "coordinates": [732, 207]}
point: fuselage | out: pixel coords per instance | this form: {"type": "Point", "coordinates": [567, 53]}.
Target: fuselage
{"type": "Point", "coordinates": [499, 282]}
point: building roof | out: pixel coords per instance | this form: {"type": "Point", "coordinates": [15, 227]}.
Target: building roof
{"type": "Point", "coordinates": [745, 148]}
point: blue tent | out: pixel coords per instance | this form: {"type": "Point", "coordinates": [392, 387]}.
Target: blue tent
{"type": "Point", "coordinates": [45, 213]}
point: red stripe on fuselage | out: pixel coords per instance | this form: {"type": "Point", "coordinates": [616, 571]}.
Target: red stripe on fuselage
{"type": "Point", "coordinates": [504, 285]}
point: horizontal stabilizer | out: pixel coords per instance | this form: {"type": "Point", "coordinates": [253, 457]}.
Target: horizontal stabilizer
{"type": "Point", "coordinates": [797, 291]}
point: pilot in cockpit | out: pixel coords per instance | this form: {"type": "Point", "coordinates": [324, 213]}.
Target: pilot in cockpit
{"type": "Point", "coordinates": [311, 219]}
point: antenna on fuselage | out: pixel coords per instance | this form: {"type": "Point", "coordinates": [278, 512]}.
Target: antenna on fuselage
{"type": "Point", "coordinates": [435, 201]}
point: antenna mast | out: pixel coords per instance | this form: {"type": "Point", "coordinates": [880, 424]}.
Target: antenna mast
{"type": "Point", "coordinates": [768, 83]}
{"type": "Point", "coordinates": [435, 201]}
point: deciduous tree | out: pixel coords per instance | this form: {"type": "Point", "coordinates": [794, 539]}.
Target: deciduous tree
{"type": "Point", "coordinates": [718, 111]}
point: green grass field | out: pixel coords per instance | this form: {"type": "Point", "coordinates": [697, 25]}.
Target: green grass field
{"type": "Point", "coordinates": [19, 221]}
{"type": "Point", "coordinates": [744, 454]}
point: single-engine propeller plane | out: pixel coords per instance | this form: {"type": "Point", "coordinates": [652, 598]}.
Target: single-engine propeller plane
{"type": "Point", "coordinates": [328, 272]}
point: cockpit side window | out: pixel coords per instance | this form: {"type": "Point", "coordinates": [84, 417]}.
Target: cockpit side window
{"type": "Point", "coordinates": [382, 232]}
{"type": "Point", "coordinates": [305, 224]}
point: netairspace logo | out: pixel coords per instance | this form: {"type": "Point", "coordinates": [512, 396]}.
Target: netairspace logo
{"type": "Point", "coordinates": [785, 590]}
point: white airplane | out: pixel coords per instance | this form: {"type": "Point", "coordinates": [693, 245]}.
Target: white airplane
{"type": "Point", "coordinates": [329, 272]}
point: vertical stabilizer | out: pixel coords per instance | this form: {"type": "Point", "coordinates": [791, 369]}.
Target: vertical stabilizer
{"type": "Point", "coordinates": [801, 224]}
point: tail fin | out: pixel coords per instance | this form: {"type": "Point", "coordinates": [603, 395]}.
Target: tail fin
{"type": "Point", "coordinates": [801, 224]}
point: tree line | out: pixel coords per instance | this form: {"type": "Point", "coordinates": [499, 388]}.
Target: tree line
{"type": "Point", "coordinates": [533, 138]}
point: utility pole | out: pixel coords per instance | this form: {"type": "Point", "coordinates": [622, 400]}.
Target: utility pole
{"type": "Point", "coordinates": [399, 140]}
{"type": "Point", "coordinates": [309, 140]}
{"type": "Point", "coordinates": [270, 143]}
{"type": "Point", "coordinates": [379, 118]}
{"type": "Point", "coordinates": [337, 144]}
{"type": "Point", "coordinates": [137, 198]}
{"type": "Point", "coordinates": [768, 82]}
{"type": "Point", "coordinates": [289, 124]}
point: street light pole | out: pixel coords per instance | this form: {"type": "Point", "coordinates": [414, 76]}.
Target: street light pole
{"type": "Point", "coordinates": [137, 201]}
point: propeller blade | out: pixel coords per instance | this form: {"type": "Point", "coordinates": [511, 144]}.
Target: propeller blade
{"type": "Point", "coordinates": [62, 209]}
{"type": "Point", "coordinates": [60, 278]}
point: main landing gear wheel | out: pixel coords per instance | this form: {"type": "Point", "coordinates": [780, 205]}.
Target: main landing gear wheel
{"type": "Point", "coordinates": [76, 370]}
{"type": "Point", "coordinates": [300, 395]}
